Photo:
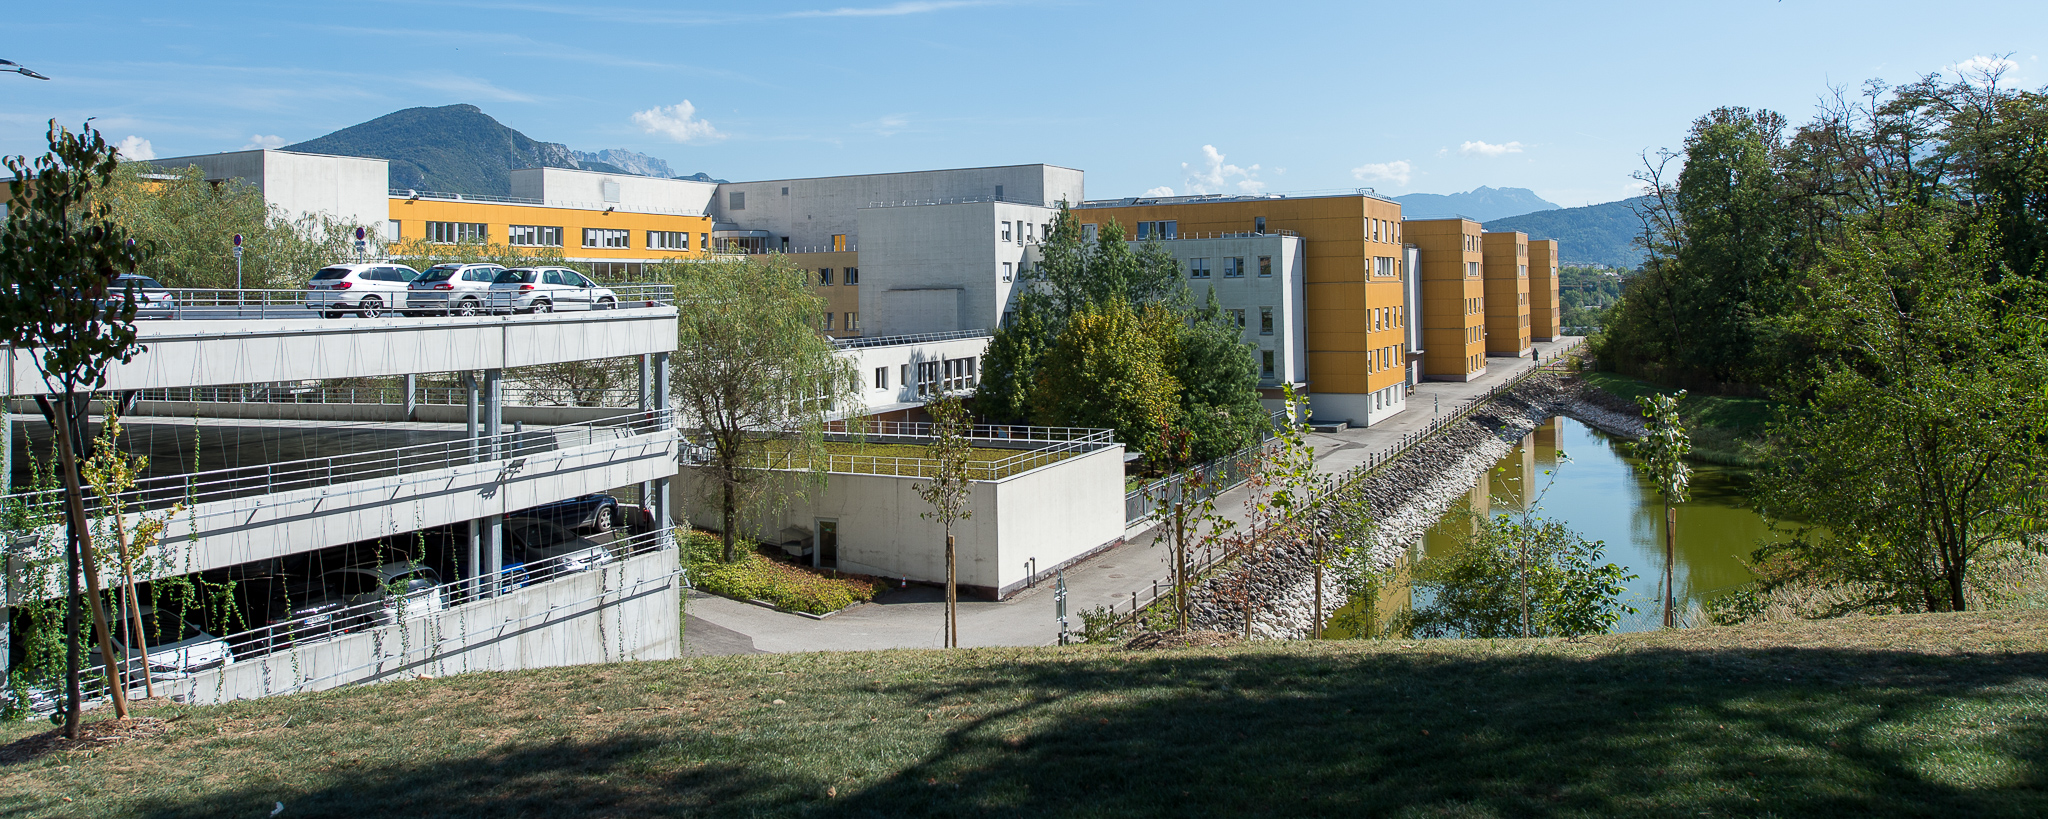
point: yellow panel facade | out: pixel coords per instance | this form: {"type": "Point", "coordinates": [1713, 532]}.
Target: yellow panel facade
{"type": "Point", "coordinates": [1351, 297]}
{"type": "Point", "coordinates": [836, 277]}
{"type": "Point", "coordinates": [1453, 297]}
{"type": "Point", "coordinates": [579, 234]}
{"type": "Point", "coordinates": [1506, 271]}
{"type": "Point", "coordinates": [1546, 306]}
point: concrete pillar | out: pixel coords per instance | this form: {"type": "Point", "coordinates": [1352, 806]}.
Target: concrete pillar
{"type": "Point", "coordinates": [474, 564]}
{"type": "Point", "coordinates": [411, 405]}
{"type": "Point", "coordinates": [664, 517]}
{"type": "Point", "coordinates": [646, 405]}
{"type": "Point", "coordinates": [494, 429]}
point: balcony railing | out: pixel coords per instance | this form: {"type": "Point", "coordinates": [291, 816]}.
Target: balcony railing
{"type": "Point", "coordinates": [918, 338]}
{"type": "Point", "coordinates": [390, 396]}
{"type": "Point", "coordinates": [216, 304]}
{"type": "Point", "coordinates": [854, 463]}
{"type": "Point", "coordinates": [443, 196]}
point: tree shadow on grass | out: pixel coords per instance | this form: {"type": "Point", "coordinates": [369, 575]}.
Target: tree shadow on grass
{"type": "Point", "coordinates": [1298, 733]}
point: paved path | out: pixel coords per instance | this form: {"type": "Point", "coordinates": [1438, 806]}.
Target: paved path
{"type": "Point", "coordinates": [914, 617]}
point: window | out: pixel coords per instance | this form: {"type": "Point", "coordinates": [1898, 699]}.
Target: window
{"type": "Point", "coordinates": [1198, 268]}
{"type": "Point", "coordinates": [838, 242]}
{"type": "Point", "coordinates": [1024, 270]}
{"type": "Point", "coordinates": [533, 236]}
{"type": "Point", "coordinates": [1006, 271]}
{"type": "Point", "coordinates": [852, 321]}
{"type": "Point", "coordinates": [852, 276]}
{"type": "Point", "coordinates": [825, 277]}
{"type": "Point", "coordinates": [1028, 229]}
{"type": "Point", "coordinates": [881, 378]}
{"type": "Point", "coordinates": [737, 200]}
{"type": "Point", "coordinates": [1237, 316]}
{"type": "Point", "coordinates": [1265, 267]}
{"type": "Point", "coordinates": [1385, 266]}
{"type": "Point", "coordinates": [667, 240]}
{"type": "Point", "coordinates": [704, 241]}
{"type": "Point", "coordinates": [1158, 230]}
{"type": "Point", "coordinates": [1472, 269]}
{"type": "Point", "coordinates": [452, 232]}
{"type": "Point", "coordinates": [999, 191]}
{"type": "Point", "coordinates": [1525, 271]}
{"type": "Point", "coordinates": [1088, 232]}
{"type": "Point", "coordinates": [827, 323]}
{"type": "Point", "coordinates": [391, 231]}
{"type": "Point", "coordinates": [1266, 363]}
{"type": "Point", "coordinates": [606, 238]}
{"type": "Point", "coordinates": [1006, 230]}
{"type": "Point", "coordinates": [785, 190]}
{"type": "Point", "coordinates": [1259, 225]}
{"type": "Point", "coordinates": [1265, 321]}
{"type": "Point", "coordinates": [1233, 267]}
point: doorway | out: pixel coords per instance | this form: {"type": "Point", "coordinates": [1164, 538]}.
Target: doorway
{"type": "Point", "coordinates": [825, 551]}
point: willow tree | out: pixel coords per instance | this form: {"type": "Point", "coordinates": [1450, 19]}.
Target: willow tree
{"type": "Point", "coordinates": [758, 384]}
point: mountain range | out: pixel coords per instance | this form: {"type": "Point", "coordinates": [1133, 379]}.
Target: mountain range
{"type": "Point", "coordinates": [461, 149]}
{"type": "Point", "coordinates": [1480, 204]}
{"type": "Point", "coordinates": [1602, 234]}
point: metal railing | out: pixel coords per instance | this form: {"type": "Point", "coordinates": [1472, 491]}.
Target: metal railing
{"type": "Point", "coordinates": [962, 200]}
{"type": "Point", "coordinates": [390, 396]}
{"type": "Point", "coordinates": [206, 303]}
{"type": "Point", "coordinates": [920, 467]}
{"type": "Point", "coordinates": [1007, 433]}
{"type": "Point", "coordinates": [1218, 476]}
{"type": "Point", "coordinates": [196, 488]}
{"type": "Point", "coordinates": [443, 196]}
{"type": "Point", "coordinates": [915, 338]}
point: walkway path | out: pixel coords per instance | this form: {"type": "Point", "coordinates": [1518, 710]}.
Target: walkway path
{"type": "Point", "coordinates": [913, 617]}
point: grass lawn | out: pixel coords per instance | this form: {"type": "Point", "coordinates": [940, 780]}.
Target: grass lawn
{"type": "Point", "coordinates": [1725, 428]}
{"type": "Point", "coordinates": [1934, 715]}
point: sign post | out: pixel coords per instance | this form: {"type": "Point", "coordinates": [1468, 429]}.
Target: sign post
{"type": "Point", "coordinates": [238, 268]}
{"type": "Point", "coordinates": [362, 246]}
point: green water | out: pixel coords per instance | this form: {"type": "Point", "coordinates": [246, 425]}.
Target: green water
{"type": "Point", "coordinates": [1598, 492]}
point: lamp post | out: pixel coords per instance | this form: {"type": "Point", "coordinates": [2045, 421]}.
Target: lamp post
{"type": "Point", "coordinates": [238, 268]}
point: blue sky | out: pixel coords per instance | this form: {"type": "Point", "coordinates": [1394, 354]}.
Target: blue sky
{"type": "Point", "coordinates": [1188, 96]}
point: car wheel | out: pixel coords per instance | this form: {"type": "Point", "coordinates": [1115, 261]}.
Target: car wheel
{"type": "Point", "coordinates": [468, 307]}
{"type": "Point", "coordinates": [543, 307]}
{"type": "Point", "coordinates": [370, 307]}
{"type": "Point", "coordinates": [605, 522]}
{"type": "Point", "coordinates": [607, 303]}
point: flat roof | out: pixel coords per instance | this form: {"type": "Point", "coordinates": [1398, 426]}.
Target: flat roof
{"type": "Point", "coordinates": [905, 173]}
{"type": "Point", "coordinates": [1202, 198]}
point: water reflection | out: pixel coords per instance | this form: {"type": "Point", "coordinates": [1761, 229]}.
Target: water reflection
{"type": "Point", "coordinates": [1599, 493]}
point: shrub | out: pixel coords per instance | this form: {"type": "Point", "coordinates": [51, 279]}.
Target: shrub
{"type": "Point", "coordinates": [755, 576]}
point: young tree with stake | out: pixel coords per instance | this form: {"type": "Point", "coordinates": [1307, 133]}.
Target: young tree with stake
{"type": "Point", "coordinates": [1662, 451]}
{"type": "Point", "coordinates": [947, 492]}
{"type": "Point", "coordinates": [60, 253]}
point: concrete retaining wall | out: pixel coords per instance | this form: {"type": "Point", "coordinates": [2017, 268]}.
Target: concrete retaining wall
{"type": "Point", "coordinates": [629, 610]}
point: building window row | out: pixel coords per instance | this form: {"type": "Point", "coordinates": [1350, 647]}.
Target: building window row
{"type": "Point", "coordinates": [533, 236]}
{"type": "Point", "coordinates": [940, 377]}
{"type": "Point", "coordinates": [607, 238]}
{"type": "Point", "coordinates": [668, 240]}
{"type": "Point", "coordinates": [1384, 230]}
{"type": "Point", "coordinates": [449, 233]}
{"type": "Point", "coordinates": [1198, 268]}
{"type": "Point", "coordinates": [1386, 266]}
{"type": "Point", "coordinates": [1158, 230]}
{"type": "Point", "coordinates": [1233, 267]}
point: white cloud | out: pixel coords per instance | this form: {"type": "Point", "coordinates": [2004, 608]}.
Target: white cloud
{"type": "Point", "coordinates": [1396, 172]}
{"type": "Point", "coordinates": [1214, 175]}
{"type": "Point", "coordinates": [678, 122]}
{"type": "Point", "coordinates": [1489, 149]}
{"type": "Point", "coordinates": [1983, 67]}
{"type": "Point", "coordinates": [889, 125]}
{"type": "Point", "coordinates": [1162, 190]}
{"type": "Point", "coordinates": [261, 141]}
{"type": "Point", "coordinates": [135, 147]}
{"type": "Point", "coordinates": [891, 10]}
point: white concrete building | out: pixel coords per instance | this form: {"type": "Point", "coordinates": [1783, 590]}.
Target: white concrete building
{"type": "Point", "coordinates": [349, 189]}
{"type": "Point", "coordinates": [592, 190]}
{"type": "Point", "coordinates": [818, 212]}
{"type": "Point", "coordinates": [936, 268]}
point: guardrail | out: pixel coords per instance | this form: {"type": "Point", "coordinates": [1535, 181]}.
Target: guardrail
{"type": "Point", "coordinates": [919, 467]}
{"type": "Point", "coordinates": [390, 396]}
{"type": "Point", "coordinates": [223, 484]}
{"type": "Point", "coordinates": [1209, 558]}
{"type": "Point", "coordinates": [916, 338]}
{"type": "Point", "coordinates": [206, 303]}
{"type": "Point", "coordinates": [1219, 476]}
{"type": "Point", "coordinates": [1008, 433]}
{"type": "Point", "coordinates": [328, 623]}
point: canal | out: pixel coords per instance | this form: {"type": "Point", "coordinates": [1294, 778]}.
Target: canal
{"type": "Point", "coordinates": [1578, 475]}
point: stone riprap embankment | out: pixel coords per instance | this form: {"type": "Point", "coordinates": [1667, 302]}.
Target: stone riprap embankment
{"type": "Point", "coordinates": [1407, 495]}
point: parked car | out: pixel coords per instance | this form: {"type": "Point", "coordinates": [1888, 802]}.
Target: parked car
{"type": "Point", "coordinates": [457, 289]}
{"type": "Point", "coordinates": [547, 289]}
{"type": "Point", "coordinates": [176, 647]}
{"type": "Point", "coordinates": [595, 512]}
{"type": "Point", "coordinates": [405, 591]}
{"type": "Point", "coordinates": [367, 290]}
{"type": "Point", "coordinates": [152, 299]}
{"type": "Point", "coordinates": [536, 548]}
{"type": "Point", "coordinates": [283, 611]}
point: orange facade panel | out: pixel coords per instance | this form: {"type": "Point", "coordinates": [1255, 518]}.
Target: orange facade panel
{"type": "Point", "coordinates": [1506, 271]}
{"type": "Point", "coordinates": [1546, 305]}
{"type": "Point", "coordinates": [1454, 297]}
{"type": "Point", "coordinates": [575, 233]}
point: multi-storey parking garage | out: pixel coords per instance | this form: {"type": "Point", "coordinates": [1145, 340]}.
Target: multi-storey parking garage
{"type": "Point", "coordinates": [385, 546]}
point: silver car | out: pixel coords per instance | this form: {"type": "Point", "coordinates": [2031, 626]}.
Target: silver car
{"type": "Point", "coordinates": [547, 289]}
{"type": "Point", "coordinates": [404, 590]}
{"type": "Point", "coordinates": [458, 289]}
{"type": "Point", "coordinates": [368, 290]}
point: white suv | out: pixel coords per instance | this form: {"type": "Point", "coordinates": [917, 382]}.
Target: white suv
{"type": "Point", "coordinates": [367, 290]}
{"type": "Point", "coordinates": [459, 289]}
{"type": "Point", "coordinates": [547, 289]}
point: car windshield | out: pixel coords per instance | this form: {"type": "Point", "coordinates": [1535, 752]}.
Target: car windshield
{"type": "Point", "coordinates": [331, 273]}
{"type": "Point", "coordinates": [437, 274]}
{"type": "Point", "coordinates": [515, 276]}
